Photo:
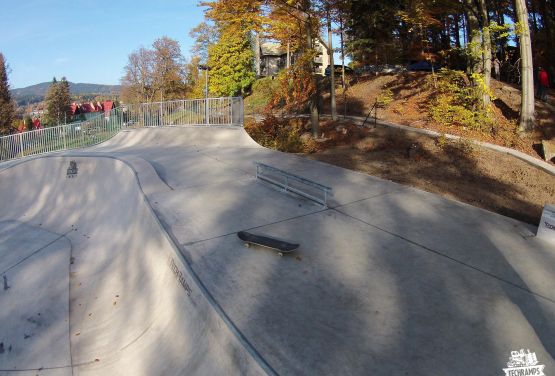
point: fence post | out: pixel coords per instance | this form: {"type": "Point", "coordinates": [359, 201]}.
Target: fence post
{"type": "Point", "coordinates": [21, 144]}
{"type": "Point", "coordinates": [231, 106]}
{"type": "Point", "coordinates": [242, 107]}
{"type": "Point", "coordinates": [63, 128]}
{"type": "Point", "coordinates": [207, 118]}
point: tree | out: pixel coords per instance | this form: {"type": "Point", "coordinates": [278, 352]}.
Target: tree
{"type": "Point", "coordinates": [58, 102]}
{"type": "Point", "coordinates": [28, 122]}
{"type": "Point", "coordinates": [231, 57]}
{"type": "Point", "coordinates": [204, 34]}
{"type": "Point", "coordinates": [154, 74]}
{"type": "Point", "coordinates": [169, 69]}
{"type": "Point", "coordinates": [196, 82]}
{"type": "Point", "coordinates": [527, 118]}
{"type": "Point", "coordinates": [137, 82]}
{"type": "Point", "coordinates": [231, 64]}
{"type": "Point", "coordinates": [7, 106]}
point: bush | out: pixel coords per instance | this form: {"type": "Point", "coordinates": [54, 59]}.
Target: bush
{"type": "Point", "coordinates": [281, 134]}
{"type": "Point", "coordinates": [459, 102]}
{"type": "Point", "coordinates": [263, 91]}
{"type": "Point", "coordinates": [385, 98]}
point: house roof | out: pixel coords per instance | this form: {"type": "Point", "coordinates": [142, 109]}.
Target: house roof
{"type": "Point", "coordinates": [108, 105]}
{"type": "Point", "coordinates": [271, 49]}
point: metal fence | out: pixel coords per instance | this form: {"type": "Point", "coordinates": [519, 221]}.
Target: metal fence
{"type": "Point", "coordinates": [211, 111]}
{"type": "Point", "coordinates": [195, 112]}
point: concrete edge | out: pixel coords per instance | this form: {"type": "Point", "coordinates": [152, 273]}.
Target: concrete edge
{"type": "Point", "coordinates": [544, 166]}
{"type": "Point", "coordinates": [9, 162]}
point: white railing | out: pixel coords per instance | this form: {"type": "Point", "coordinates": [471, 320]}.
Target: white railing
{"type": "Point", "coordinates": [209, 112]}
{"type": "Point", "coordinates": [194, 112]}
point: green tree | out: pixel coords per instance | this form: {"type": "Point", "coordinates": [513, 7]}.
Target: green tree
{"type": "Point", "coordinates": [195, 80]}
{"type": "Point", "coordinates": [7, 106]}
{"type": "Point", "coordinates": [231, 62]}
{"type": "Point", "coordinates": [28, 122]}
{"type": "Point", "coordinates": [58, 102]}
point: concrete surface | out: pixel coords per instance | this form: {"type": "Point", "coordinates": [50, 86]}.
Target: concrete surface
{"type": "Point", "coordinates": [388, 279]}
{"type": "Point", "coordinates": [120, 299]}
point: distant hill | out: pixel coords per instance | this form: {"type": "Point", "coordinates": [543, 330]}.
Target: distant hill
{"type": "Point", "coordinates": [36, 93]}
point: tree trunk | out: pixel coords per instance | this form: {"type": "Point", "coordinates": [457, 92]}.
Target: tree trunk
{"type": "Point", "coordinates": [502, 42]}
{"type": "Point", "coordinates": [456, 31]}
{"type": "Point", "coordinates": [288, 64]}
{"type": "Point", "coordinates": [527, 119]}
{"type": "Point", "coordinates": [342, 55]}
{"type": "Point", "coordinates": [257, 53]}
{"type": "Point", "coordinates": [486, 50]}
{"type": "Point", "coordinates": [313, 102]}
{"type": "Point", "coordinates": [332, 70]}
{"type": "Point", "coordinates": [473, 28]}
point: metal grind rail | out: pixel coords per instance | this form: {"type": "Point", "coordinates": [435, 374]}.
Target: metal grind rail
{"type": "Point", "coordinates": [293, 183]}
{"type": "Point", "coordinates": [190, 112]}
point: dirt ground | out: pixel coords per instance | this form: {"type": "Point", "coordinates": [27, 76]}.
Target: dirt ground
{"type": "Point", "coordinates": [455, 169]}
{"type": "Point", "coordinates": [410, 102]}
{"type": "Point", "coordinates": [459, 170]}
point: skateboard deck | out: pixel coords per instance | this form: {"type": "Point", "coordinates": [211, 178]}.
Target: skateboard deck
{"type": "Point", "coordinates": [265, 241]}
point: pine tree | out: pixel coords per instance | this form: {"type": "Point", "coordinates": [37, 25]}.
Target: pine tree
{"type": "Point", "coordinates": [65, 99]}
{"type": "Point", "coordinates": [58, 101]}
{"type": "Point", "coordinates": [28, 122]}
{"type": "Point", "coordinates": [7, 106]}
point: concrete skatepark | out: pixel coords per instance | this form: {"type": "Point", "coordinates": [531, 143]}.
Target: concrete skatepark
{"type": "Point", "coordinates": [133, 267]}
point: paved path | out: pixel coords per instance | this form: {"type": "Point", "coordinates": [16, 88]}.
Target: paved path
{"type": "Point", "coordinates": [388, 279]}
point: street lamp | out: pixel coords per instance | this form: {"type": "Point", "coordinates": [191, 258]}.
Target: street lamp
{"type": "Point", "coordinates": [205, 68]}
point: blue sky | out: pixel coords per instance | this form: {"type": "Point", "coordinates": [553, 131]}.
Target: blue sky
{"type": "Point", "coordinates": [87, 41]}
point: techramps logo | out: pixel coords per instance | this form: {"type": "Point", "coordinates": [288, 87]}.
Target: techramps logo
{"type": "Point", "coordinates": [523, 363]}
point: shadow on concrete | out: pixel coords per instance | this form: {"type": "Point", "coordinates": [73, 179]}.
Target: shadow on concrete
{"type": "Point", "coordinates": [359, 297]}
{"type": "Point", "coordinates": [374, 302]}
{"type": "Point", "coordinates": [409, 159]}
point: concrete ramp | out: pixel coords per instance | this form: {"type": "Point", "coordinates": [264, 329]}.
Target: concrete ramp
{"type": "Point", "coordinates": [182, 137]}
{"type": "Point", "coordinates": [135, 268]}
{"type": "Point", "coordinates": [94, 286]}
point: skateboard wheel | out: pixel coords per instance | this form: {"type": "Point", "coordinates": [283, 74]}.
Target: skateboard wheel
{"type": "Point", "coordinates": [280, 254]}
{"type": "Point", "coordinates": [247, 245]}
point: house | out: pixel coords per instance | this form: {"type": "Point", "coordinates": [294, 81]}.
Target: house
{"type": "Point", "coordinates": [274, 57]}
{"type": "Point", "coordinates": [107, 106]}
{"type": "Point", "coordinates": [88, 110]}
{"type": "Point", "coordinates": [322, 59]}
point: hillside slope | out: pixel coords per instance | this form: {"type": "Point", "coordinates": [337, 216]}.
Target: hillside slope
{"type": "Point", "coordinates": [411, 99]}
{"type": "Point", "coordinates": [36, 93]}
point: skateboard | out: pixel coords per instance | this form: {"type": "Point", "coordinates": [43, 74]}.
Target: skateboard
{"type": "Point", "coordinates": [265, 241]}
